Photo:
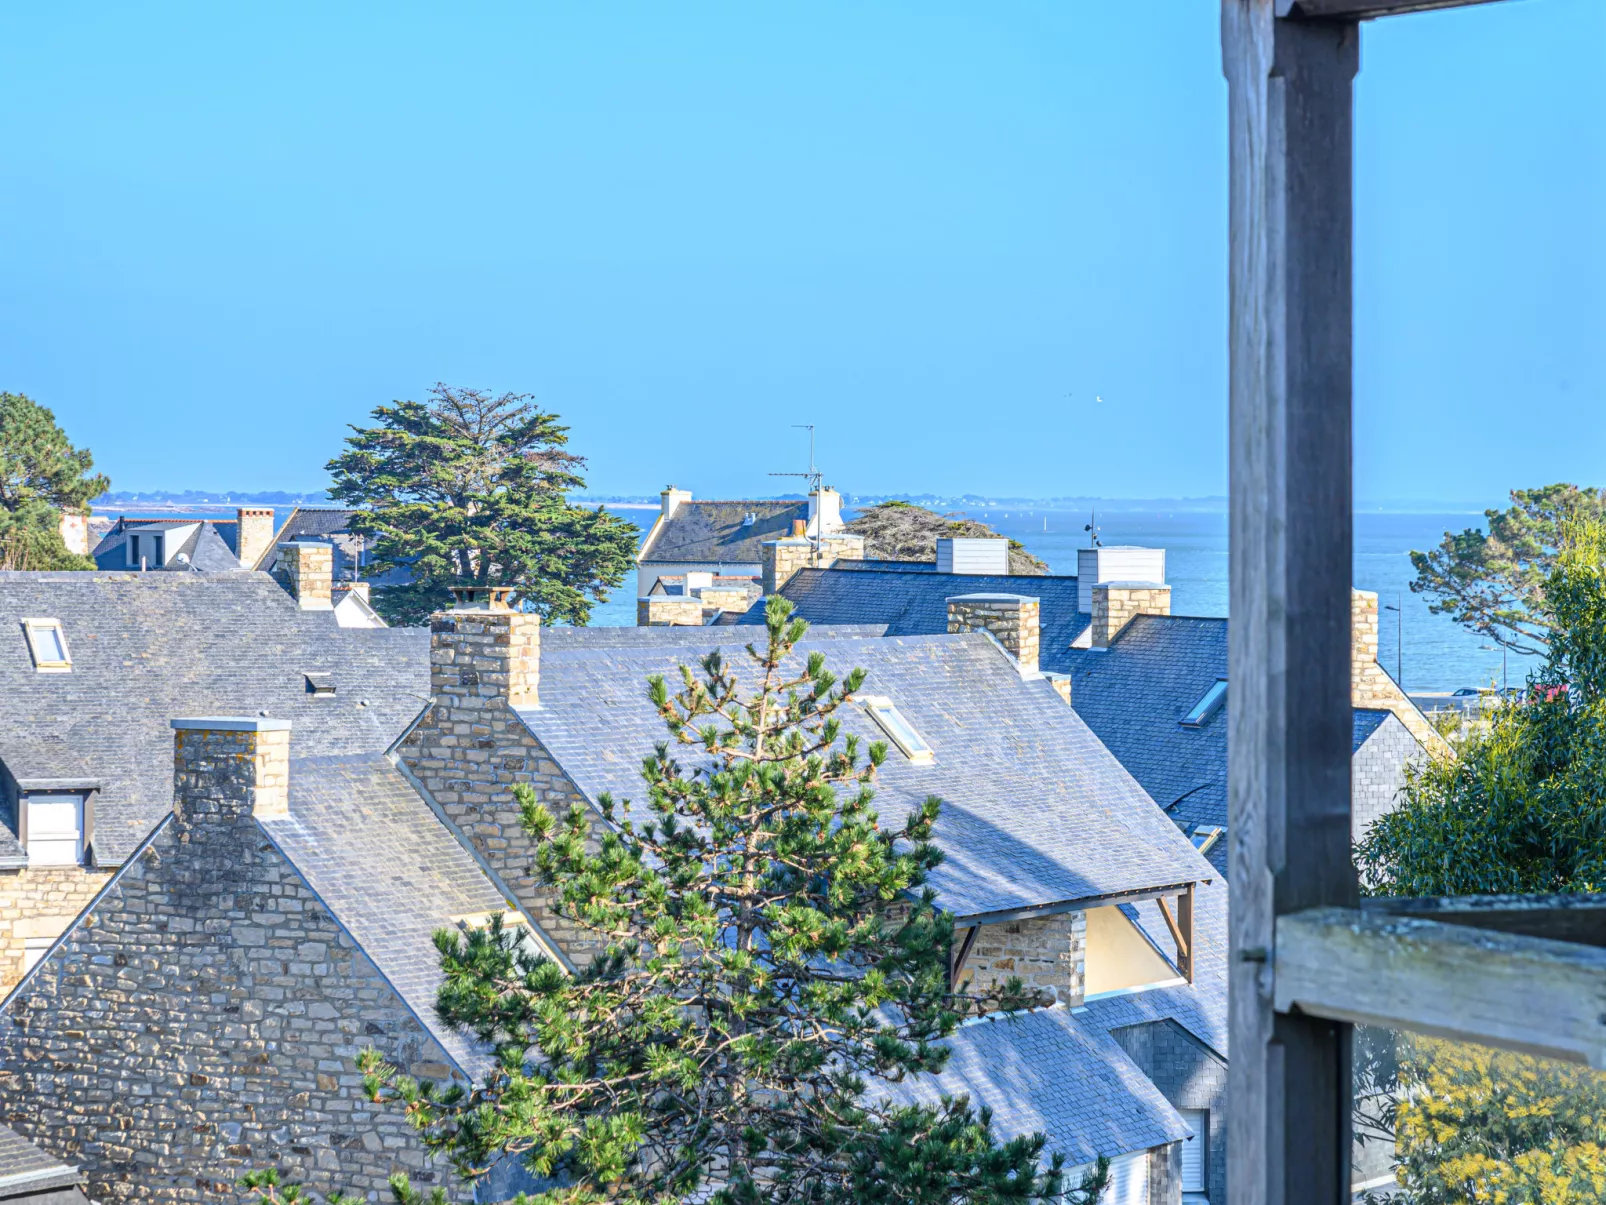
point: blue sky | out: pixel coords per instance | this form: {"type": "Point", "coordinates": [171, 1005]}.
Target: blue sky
{"type": "Point", "coordinates": [937, 230]}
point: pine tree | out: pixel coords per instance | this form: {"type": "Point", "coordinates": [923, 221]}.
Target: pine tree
{"type": "Point", "coordinates": [467, 488]}
{"type": "Point", "coordinates": [774, 959]}
{"type": "Point", "coordinates": [41, 475]}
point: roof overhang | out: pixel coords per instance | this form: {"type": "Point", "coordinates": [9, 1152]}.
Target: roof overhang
{"type": "Point", "coordinates": [1107, 900]}
{"type": "Point", "coordinates": [59, 784]}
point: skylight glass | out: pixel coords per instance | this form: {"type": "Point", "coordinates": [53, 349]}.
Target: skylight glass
{"type": "Point", "coordinates": [899, 729]}
{"type": "Point", "coordinates": [48, 645]}
{"type": "Point", "coordinates": [1205, 836]}
{"type": "Point", "coordinates": [1207, 706]}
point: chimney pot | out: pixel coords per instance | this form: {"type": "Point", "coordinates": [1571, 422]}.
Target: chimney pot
{"type": "Point", "coordinates": [481, 598]}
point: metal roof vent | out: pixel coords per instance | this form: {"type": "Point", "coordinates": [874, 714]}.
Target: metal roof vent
{"type": "Point", "coordinates": [320, 684]}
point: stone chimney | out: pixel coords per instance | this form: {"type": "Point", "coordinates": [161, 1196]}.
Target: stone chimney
{"type": "Point", "coordinates": [670, 499]}
{"type": "Point", "coordinates": [779, 559]}
{"type": "Point", "coordinates": [254, 534]}
{"type": "Point", "coordinates": [825, 512]}
{"type": "Point", "coordinates": [1013, 619]}
{"type": "Point", "coordinates": [74, 529]}
{"type": "Point", "coordinates": [483, 656]}
{"type": "Point", "coordinates": [1116, 603]}
{"type": "Point", "coordinates": [1370, 685]}
{"type": "Point", "coordinates": [228, 767]}
{"type": "Point", "coordinates": [310, 570]}
{"type": "Point", "coordinates": [669, 611]}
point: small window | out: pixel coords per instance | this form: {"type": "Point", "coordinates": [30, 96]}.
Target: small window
{"type": "Point", "coordinates": [34, 949]}
{"type": "Point", "coordinates": [320, 684]}
{"type": "Point", "coordinates": [1205, 836]}
{"type": "Point", "coordinates": [48, 644]}
{"type": "Point", "coordinates": [54, 829]}
{"type": "Point", "coordinates": [1207, 706]}
{"type": "Point", "coordinates": [902, 732]}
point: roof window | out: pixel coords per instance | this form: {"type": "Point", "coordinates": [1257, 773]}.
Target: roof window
{"type": "Point", "coordinates": [1207, 706]}
{"type": "Point", "coordinates": [320, 684]}
{"type": "Point", "coordinates": [1205, 836]}
{"type": "Point", "coordinates": [900, 730]}
{"type": "Point", "coordinates": [48, 645]}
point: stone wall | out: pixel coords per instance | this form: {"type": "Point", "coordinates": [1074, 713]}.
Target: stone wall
{"type": "Point", "coordinates": [1115, 604]}
{"type": "Point", "coordinates": [470, 749]}
{"type": "Point", "coordinates": [1190, 1076]}
{"type": "Point", "coordinates": [1014, 620]}
{"type": "Point", "coordinates": [204, 1018]}
{"type": "Point", "coordinates": [1370, 685]}
{"type": "Point", "coordinates": [40, 902]}
{"type": "Point", "coordinates": [669, 610]}
{"type": "Point", "coordinates": [780, 559]}
{"type": "Point", "coordinates": [254, 534]}
{"type": "Point", "coordinates": [1165, 1174]}
{"type": "Point", "coordinates": [1046, 952]}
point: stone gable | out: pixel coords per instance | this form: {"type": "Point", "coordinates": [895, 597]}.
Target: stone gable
{"type": "Point", "coordinates": [203, 1020]}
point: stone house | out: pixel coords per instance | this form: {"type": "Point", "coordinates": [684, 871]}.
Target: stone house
{"type": "Point", "coordinates": [723, 538]}
{"type": "Point", "coordinates": [265, 907]}
{"type": "Point", "coordinates": [94, 666]}
{"type": "Point", "coordinates": [1151, 685]}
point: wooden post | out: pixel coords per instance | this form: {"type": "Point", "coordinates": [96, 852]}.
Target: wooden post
{"type": "Point", "coordinates": [1290, 115]}
{"type": "Point", "coordinates": [1185, 963]}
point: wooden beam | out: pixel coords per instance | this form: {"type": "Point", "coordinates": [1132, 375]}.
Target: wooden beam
{"type": "Point", "coordinates": [1077, 905]}
{"type": "Point", "coordinates": [1185, 960]}
{"type": "Point", "coordinates": [1290, 137]}
{"type": "Point", "coordinates": [1363, 10]}
{"type": "Point", "coordinates": [1576, 918]}
{"type": "Point", "coordinates": [964, 953]}
{"type": "Point", "coordinates": [1475, 985]}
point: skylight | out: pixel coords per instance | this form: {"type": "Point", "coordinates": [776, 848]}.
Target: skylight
{"type": "Point", "coordinates": [900, 730]}
{"type": "Point", "coordinates": [1207, 706]}
{"type": "Point", "coordinates": [48, 645]}
{"type": "Point", "coordinates": [1205, 836]}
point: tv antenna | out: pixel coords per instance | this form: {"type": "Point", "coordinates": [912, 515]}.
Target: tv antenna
{"type": "Point", "coordinates": [813, 477]}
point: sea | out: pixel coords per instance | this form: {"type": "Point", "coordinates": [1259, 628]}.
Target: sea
{"type": "Point", "coordinates": [1421, 650]}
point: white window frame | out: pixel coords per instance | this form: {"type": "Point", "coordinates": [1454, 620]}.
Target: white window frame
{"type": "Point", "coordinates": [898, 729]}
{"type": "Point", "coordinates": [40, 630]}
{"type": "Point", "coordinates": [36, 846]}
{"type": "Point", "coordinates": [1199, 1121]}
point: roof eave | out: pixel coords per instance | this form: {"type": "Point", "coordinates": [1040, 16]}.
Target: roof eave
{"type": "Point", "coordinates": [1080, 904]}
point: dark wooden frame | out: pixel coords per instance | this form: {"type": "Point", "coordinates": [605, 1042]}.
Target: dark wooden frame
{"type": "Point", "coordinates": [1306, 959]}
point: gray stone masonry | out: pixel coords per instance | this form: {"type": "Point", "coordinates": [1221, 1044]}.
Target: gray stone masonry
{"type": "Point", "coordinates": [310, 572]}
{"type": "Point", "coordinates": [1165, 1174]}
{"type": "Point", "coordinates": [1115, 604]}
{"type": "Point", "coordinates": [1190, 1076]}
{"type": "Point", "coordinates": [669, 610]}
{"type": "Point", "coordinates": [1014, 620]}
{"type": "Point", "coordinates": [204, 1018]}
{"type": "Point", "coordinates": [470, 749]}
{"type": "Point", "coordinates": [254, 535]}
{"type": "Point", "coordinates": [780, 559]}
{"type": "Point", "coordinates": [1377, 774]}
{"type": "Point", "coordinates": [1046, 952]}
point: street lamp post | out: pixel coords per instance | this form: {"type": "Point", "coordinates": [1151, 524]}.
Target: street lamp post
{"type": "Point", "coordinates": [1505, 682]}
{"type": "Point", "coordinates": [1399, 639]}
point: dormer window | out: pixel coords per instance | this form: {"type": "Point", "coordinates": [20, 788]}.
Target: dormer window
{"type": "Point", "coordinates": [1207, 706]}
{"type": "Point", "coordinates": [54, 828]}
{"type": "Point", "coordinates": [899, 730]}
{"type": "Point", "coordinates": [48, 645]}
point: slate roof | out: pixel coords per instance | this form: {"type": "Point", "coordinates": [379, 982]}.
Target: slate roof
{"type": "Point", "coordinates": [1049, 1072]}
{"type": "Point", "coordinates": [26, 1168]}
{"type": "Point", "coordinates": [207, 549]}
{"type": "Point", "coordinates": [1134, 693]}
{"type": "Point", "coordinates": [389, 871]}
{"type": "Point", "coordinates": [1036, 811]}
{"type": "Point", "coordinates": [716, 532]}
{"type": "Point", "coordinates": [316, 523]}
{"type": "Point", "coordinates": [915, 602]}
{"type": "Point", "coordinates": [148, 647]}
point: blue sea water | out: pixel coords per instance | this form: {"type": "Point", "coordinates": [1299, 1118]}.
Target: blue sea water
{"type": "Point", "coordinates": [1430, 652]}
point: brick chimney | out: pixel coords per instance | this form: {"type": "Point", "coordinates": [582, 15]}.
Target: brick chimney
{"type": "Point", "coordinates": [1116, 603]}
{"type": "Point", "coordinates": [1013, 619]}
{"type": "Point", "coordinates": [228, 767]}
{"type": "Point", "coordinates": [310, 570]}
{"type": "Point", "coordinates": [254, 534]}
